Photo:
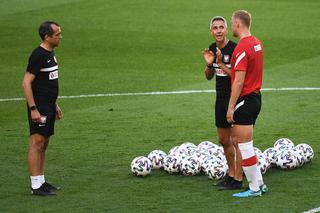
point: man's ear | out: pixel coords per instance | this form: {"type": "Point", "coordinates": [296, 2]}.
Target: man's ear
{"type": "Point", "coordinates": [46, 37]}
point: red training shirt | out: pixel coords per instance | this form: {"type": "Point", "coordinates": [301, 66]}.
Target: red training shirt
{"type": "Point", "coordinates": [248, 57]}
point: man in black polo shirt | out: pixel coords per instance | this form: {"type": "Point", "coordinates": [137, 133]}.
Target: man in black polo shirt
{"type": "Point", "coordinates": [40, 86]}
{"type": "Point", "coordinates": [218, 60]}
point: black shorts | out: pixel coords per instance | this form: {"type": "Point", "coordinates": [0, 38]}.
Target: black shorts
{"type": "Point", "coordinates": [48, 111]}
{"type": "Point", "coordinates": [247, 109]}
{"type": "Point", "coordinates": [221, 109]}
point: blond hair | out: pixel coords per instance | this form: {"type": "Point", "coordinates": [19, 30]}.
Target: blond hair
{"type": "Point", "coordinates": [244, 16]}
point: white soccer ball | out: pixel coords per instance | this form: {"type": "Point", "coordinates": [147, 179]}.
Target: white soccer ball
{"type": "Point", "coordinates": [187, 148]}
{"type": "Point", "coordinates": [271, 154]}
{"type": "Point", "coordinates": [283, 144]}
{"type": "Point", "coordinates": [307, 151]}
{"type": "Point", "coordinates": [171, 164]}
{"type": "Point", "coordinates": [190, 166]}
{"type": "Point", "coordinates": [300, 156]}
{"type": "Point", "coordinates": [205, 145]}
{"type": "Point", "coordinates": [287, 160]}
{"type": "Point", "coordinates": [174, 150]}
{"type": "Point", "coordinates": [217, 170]}
{"type": "Point", "coordinates": [156, 157]}
{"type": "Point", "coordinates": [219, 153]}
{"type": "Point", "coordinates": [263, 164]}
{"type": "Point", "coordinates": [141, 166]}
{"type": "Point", "coordinates": [207, 162]}
{"type": "Point", "coordinates": [257, 151]}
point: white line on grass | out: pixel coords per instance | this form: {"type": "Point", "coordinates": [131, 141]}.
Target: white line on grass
{"type": "Point", "coordinates": [160, 93]}
{"type": "Point", "coordinates": [313, 210]}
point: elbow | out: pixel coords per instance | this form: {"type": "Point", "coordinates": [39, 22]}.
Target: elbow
{"type": "Point", "coordinates": [23, 85]}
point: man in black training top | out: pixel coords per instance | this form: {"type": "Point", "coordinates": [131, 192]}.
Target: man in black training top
{"type": "Point", "coordinates": [218, 60]}
{"type": "Point", "coordinates": [40, 86]}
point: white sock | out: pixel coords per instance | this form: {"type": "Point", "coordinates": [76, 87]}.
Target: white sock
{"type": "Point", "coordinates": [42, 179]}
{"type": "Point", "coordinates": [260, 179]}
{"type": "Point", "coordinates": [35, 182]}
{"type": "Point", "coordinates": [250, 169]}
{"type": "Point", "coordinates": [251, 174]}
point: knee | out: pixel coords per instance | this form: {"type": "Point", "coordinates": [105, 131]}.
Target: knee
{"type": "Point", "coordinates": [37, 144]}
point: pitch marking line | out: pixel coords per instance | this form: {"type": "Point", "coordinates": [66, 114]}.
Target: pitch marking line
{"type": "Point", "coordinates": [313, 210]}
{"type": "Point", "coordinates": [162, 93]}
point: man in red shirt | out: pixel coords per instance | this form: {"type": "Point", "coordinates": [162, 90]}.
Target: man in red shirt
{"type": "Point", "coordinates": [245, 101]}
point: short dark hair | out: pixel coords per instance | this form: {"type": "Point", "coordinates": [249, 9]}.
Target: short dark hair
{"type": "Point", "coordinates": [46, 29]}
{"type": "Point", "coordinates": [244, 16]}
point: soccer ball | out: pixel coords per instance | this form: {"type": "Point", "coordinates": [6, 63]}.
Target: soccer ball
{"type": "Point", "coordinates": [287, 160]}
{"type": "Point", "coordinates": [307, 151]}
{"type": "Point", "coordinates": [156, 158]}
{"type": "Point", "coordinates": [207, 161]}
{"type": "Point", "coordinates": [190, 166]}
{"type": "Point", "coordinates": [174, 150]}
{"type": "Point", "coordinates": [171, 164]}
{"type": "Point", "coordinates": [271, 154]}
{"type": "Point", "coordinates": [300, 156]}
{"type": "Point", "coordinates": [257, 151]}
{"type": "Point", "coordinates": [263, 164]}
{"type": "Point", "coordinates": [283, 144]}
{"type": "Point", "coordinates": [205, 145]}
{"type": "Point", "coordinates": [187, 148]}
{"type": "Point", "coordinates": [219, 153]}
{"type": "Point", "coordinates": [141, 166]}
{"type": "Point", "coordinates": [217, 170]}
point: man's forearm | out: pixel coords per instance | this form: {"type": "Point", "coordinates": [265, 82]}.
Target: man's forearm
{"type": "Point", "coordinates": [209, 73]}
{"type": "Point", "coordinates": [28, 94]}
{"type": "Point", "coordinates": [236, 91]}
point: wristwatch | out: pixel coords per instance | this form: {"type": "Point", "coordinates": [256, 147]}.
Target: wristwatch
{"type": "Point", "coordinates": [34, 107]}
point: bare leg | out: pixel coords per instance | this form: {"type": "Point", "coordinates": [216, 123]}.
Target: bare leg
{"type": "Point", "coordinates": [243, 135]}
{"type": "Point", "coordinates": [238, 174]}
{"type": "Point", "coordinates": [224, 135]}
{"type": "Point", "coordinates": [36, 145]}
{"type": "Point", "coordinates": [43, 155]}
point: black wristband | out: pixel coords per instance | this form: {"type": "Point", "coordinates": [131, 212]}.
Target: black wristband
{"type": "Point", "coordinates": [34, 107]}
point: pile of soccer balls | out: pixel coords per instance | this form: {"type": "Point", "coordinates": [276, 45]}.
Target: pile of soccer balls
{"type": "Point", "coordinates": [285, 155]}
{"type": "Point", "coordinates": [209, 159]}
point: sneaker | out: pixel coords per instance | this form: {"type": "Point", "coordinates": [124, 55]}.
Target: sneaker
{"type": "Point", "coordinates": [42, 191]}
{"type": "Point", "coordinates": [248, 193]}
{"type": "Point", "coordinates": [50, 187]}
{"type": "Point", "coordinates": [264, 188]}
{"type": "Point", "coordinates": [227, 180]}
{"type": "Point", "coordinates": [231, 186]}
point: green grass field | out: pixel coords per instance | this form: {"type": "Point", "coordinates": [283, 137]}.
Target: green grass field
{"type": "Point", "coordinates": [143, 46]}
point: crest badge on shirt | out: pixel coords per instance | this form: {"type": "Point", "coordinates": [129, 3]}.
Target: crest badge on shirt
{"type": "Point", "coordinates": [226, 58]}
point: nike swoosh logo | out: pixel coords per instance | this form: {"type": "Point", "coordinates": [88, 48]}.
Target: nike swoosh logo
{"type": "Point", "coordinates": [40, 125]}
{"type": "Point", "coordinates": [49, 61]}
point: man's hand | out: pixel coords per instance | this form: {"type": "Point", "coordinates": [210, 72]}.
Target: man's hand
{"type": "Point", "coordinates": [230, 115]}
{"type": "Point", "coordinates": [208, 56]}
{"type": "Point", "coordinates": [35, 116]}
{"type": "Point", "coordinates": [59, 114]}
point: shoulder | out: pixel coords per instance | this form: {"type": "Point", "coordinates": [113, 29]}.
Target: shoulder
{"type": "Point", "coordinates": [231, 46]}
{"type": "Point", "coordinates": [232, 43]}
{"type": "Point", "coordinates": [213, 46]}
{"type": "Point", "coordinates": [38, 53]}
